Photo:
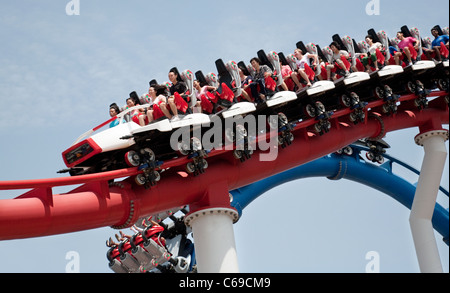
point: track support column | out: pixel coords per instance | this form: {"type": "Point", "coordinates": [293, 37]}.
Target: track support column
{"type": "Point", "coordinates": [211, 220]}
{"type": "Point", "coordinates": [425, 199]}
{"type": "Point", "coordinates": [215, 247]}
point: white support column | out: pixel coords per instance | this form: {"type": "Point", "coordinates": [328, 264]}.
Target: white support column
{"type": "Point", "coordinates": [425, 199]}
{"type": "Point", "coordinates": [215, 247]}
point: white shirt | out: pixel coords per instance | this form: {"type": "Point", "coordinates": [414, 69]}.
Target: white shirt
{"type": "Point", "coordinates": [306, 59]}
{"type": "Point", "coordinates": [374, 47]}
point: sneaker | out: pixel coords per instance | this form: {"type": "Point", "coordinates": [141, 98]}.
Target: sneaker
{"type": "Point", "coordinates": [175, 118]}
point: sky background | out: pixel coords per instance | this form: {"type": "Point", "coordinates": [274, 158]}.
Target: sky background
{"type": "Point", "coordinates": [59, 73]}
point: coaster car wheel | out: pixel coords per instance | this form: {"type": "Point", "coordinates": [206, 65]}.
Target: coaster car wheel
{"type": "Point", "coordinates": [348, 151]}
{"type": "Point", "coordinates": [311, 111]}
{"type": "Point", "coordinates": [273, 122]}
{"type": "Point", "coordinates": [355, 97]}
{"type": "Point", "coordinates": [379, 93]}
{"type": "Point", "coordinates": [237, 154]}
{"type": "Point", "coordinates": [183, 148]}
{"type": "Point", "coordinates": [318, 128]}
{"type": "Point", "coordinates": [282, 118]}
{"type": "Point", "coordinates": [443, 84]}
{"type": "Point", "coordinates": [290, 137]}
{"type": "Point", "coordinates": [320, 107]}
{"type": "Point", "coordinates": [204, 164]}
{"type": "Point", "coordinates": [388, 90]}
{"type": "Point", "coordinates": [151, 154]}
{"type": "Point", "coordinates": [196, 144]}
{"type": "Point", "coordinates": [156, 176]}
{"type": "Point", "coordinates": [190, 168]}
{"type": "Point", "coordinates": [229, 135]}
{"type": "Point", "coordinates": [419, 85]}
{"type": "Point", "coordinates": [379, 159]}
{"type": "Point", "coordinates": [132, 159]}
{"type": "Point", "coordinates": [345, 100]}
{"type": "Point", "coordinates": [140, 180]}
{"type": "Point", "coordinates": [411, 87]}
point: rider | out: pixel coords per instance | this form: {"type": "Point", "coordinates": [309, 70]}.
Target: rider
{"type": "Point", "coordinates": [336, 58]}
{"type": "Point", "coordinates": [436, 44]}
{"type": "Point", "coordinates": [114, 111]}
{"type": "Point", "coordinates": [205, 99]}
{"type": "Point", "coordinates": [303, 59]}
{"type": "Point", "coordinates": [405, 44]}
{"type": "Point", "coordinates": [178, 86]}
{"type": "Point", "coordinates": [372, 54]}
{"type": "Point", "coordinates": [259, 76]}
{"type": "Point", "coordinates": [158, 103]}
{"type": "Point", "coordinates": [137, 115]}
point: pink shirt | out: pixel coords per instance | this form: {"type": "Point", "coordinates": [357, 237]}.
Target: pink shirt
{"type": "Point", "coordinates": [406, 42]}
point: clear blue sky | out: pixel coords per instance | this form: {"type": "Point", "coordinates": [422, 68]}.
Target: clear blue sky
{"type": "Point", "coordinates": [59, 73]}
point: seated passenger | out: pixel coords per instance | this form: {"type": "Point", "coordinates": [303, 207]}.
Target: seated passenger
{"type": "Point", "coordinates": [114, 111]}
{"type": "Point", "coordinates": [158, 102]}
{"type": "Point", "coordinates": [436, 51]}
{"type": "Point", "coordinates": [206, 100]}
{"type": "Point", "coordinates": [406, 45]}
{"type": "Point", "coordinates": [337, 58]}
{"type": "Point", "coordinates": [137, 115]}
{"type": "Point", "coordinates": [303, 59]}
{"type": "Point", "coordinates": [396, 54]}
{"type": "Point", "coordinates": [291, 78]}
{"type": "Point", "coordinates": [179, 87]}
{"type": "Point", "coordinates": [245, 80]}
{"type": "Point", "coordinates": [261, 76]}
{"type": "Point", "coordinates": [372, 54]}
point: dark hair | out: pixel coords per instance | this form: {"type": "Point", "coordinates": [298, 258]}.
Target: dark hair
{"type": "Point", "coordinates": [370, 37]}
{"type": "Point", "coordinates": [173, 70]}
{"type": "Point", "coordinates": [336, 45]}
{"type": "Point", "coordinates": [115, 107]}
{"type": "Point", "coordinates": [160, 89]}
{"type": "Point", "coordinates": [153, 82]}
{"type": "Point", "coordinates": [438, 29]}
{"type": "Point", "coordinates": [256, 59]}
{"type": "Point", "coordinates": [177, 73]}
{"type": "Point", "coordinates": [135, 97]}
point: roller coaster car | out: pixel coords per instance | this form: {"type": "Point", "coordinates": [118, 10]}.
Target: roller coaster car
{"type": "Point", "coordinates": [234, 134]}
{"type": "Point", "coordinates": [354, 78]}
{"type": "Point", "coordinates": [348, 87]}
{"type": "Point", "coordinates": [140, 253]}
